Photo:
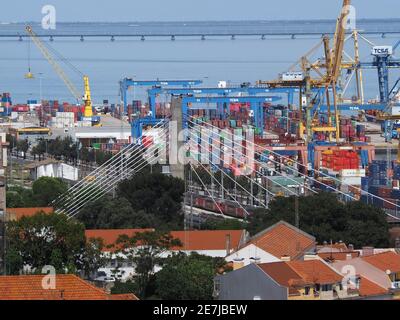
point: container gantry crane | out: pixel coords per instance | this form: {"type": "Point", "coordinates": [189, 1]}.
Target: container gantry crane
{"type": "Point", "coordinates": [86, 98]}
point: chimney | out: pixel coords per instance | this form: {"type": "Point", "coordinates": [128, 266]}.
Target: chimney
{"type": "Point", "coordinates": [367, 251]}
{"type": "Point", "coordinates": [285, 258]}
{"type": "Point", "coordinates": [351, 247]}
{"type": "Point", "coordinates": [310, 256]}
{"type": "Point", "coordinates": [228, 244]}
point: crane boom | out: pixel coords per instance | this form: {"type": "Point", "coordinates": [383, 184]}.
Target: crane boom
{"type": "Point", "coordinates": [74, 91]}
{"type": "Point", "coordinates": [71, 87]}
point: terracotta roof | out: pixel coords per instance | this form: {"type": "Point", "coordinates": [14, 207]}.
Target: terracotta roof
{"type": "Point", "coordinates": [369, 288]}
{"type": "Point", "coordinates": [282, 274]}
{"type": "Point", "coordinates": [315, 271]}
{"type": "Point", "coordinates": [68, 287]}
{"type": "Point", "coordinates": [385, 261]}
{"type": "Point", "coordinates": [209, 239]}
{"type": "Point", "coordinates": [110, 236]}
{"type": "Point", "coordinates": [191, 240]}
{"type": "Point", "coordinates": [293, 274]}
{"type": "Point", "coordinates": [334, 256]}
{"type": "Point", "coordinates": [283, 239]}
{"type": "Point", "coordinates": [18, 213]}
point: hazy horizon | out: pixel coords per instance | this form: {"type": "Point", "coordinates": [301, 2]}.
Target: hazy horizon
{"type": "Point", "coordinates": [180, 10]}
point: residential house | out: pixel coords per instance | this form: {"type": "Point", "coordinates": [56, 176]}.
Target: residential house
{"type": "Point", "coordinates": [212, 243]}
{"type": "Point", "coordinates": [282, 241]}
{"type": "Point", "coordinates": [64, 287]}
{"type": "Point", "coordinates": [378, 274]}
{"type": "Point", "coordinates": [52, 168]}
{"type": "Point", "coordinates": [283, 280]}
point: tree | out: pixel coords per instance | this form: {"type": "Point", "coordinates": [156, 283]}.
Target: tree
{"type": "Point", "coordinates": [145, 250]}
{"type": "Point", "coordinates": [23, 146]}
{"type": "Point", "coordinates": [156, 194]}
{"type": "Point", "coordinates": [186, 277]}
{"type": "Point", "coordinates": [223, 224]}
{"type": "Point", "coordinates": [124, 287]}
{"type": "Point", "coordinates": [115, 213]}
{"type": "Point", "coordinates": [47, 189]}
{"type": "Point", "coordinates": [19, 197]}
{"type": "Point", "coordinates": [326, 218]}
{"type": "Point", "coordinates": [50, 239]}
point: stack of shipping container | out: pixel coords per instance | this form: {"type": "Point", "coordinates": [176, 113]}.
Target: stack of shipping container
{"type": "Point", "coordinates": [383, 182]}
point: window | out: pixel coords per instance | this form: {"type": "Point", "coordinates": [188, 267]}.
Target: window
{"type": "Point", "coordinates": [326, 287]}
{"type": "Point", "coordinates": [307, 291]}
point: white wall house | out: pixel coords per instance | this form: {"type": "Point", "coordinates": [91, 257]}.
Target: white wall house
{"type": "Point", "coordinates": [52, 168]}
{"type": "Point", "coordinates": [250, 254]}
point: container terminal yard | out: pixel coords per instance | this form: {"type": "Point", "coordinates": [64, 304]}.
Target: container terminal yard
{"type": "Point", "coordinates": [309, 130]}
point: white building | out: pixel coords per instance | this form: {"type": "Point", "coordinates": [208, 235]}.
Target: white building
{"type": "Point", "coordinates": [212, 243]}
{"type": "Point", "coordinates": [52, 168]}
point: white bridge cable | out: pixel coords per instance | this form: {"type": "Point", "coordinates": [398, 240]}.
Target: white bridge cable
{"type": "Point", "coordinates": [100, 169]}
{"type": "Point", "coordinates": [130, 162]}
{"type": "Point", "coordinates": [322, 173]}
{"type": "Point", "coordinates": [114, 169]}
{"type": "Point", "coordinates": [103, 178]}
{"type": "Point", "coordinates": [97, 180]}
{"type": "Point", "coordinates": [248, 178]}
{"type": "Point", "coordinates": [227, 192]}
{"type": "Point", "coordinates": [205, 188]}
{"type": "Point", "coordinates": [263, 175]}
{"type": "Point", "coordinates": [103, 166]}
{"type": "Point", "coordinates": [95, 196]}
{"type": "Point", "coordinates": [293, 169]}
{"type": "Point", "coordinates": [99, 193]}
{"type": "Point", "coordinates": [138, 163]}
{"type": "Point", "coordinates": [238, 184]}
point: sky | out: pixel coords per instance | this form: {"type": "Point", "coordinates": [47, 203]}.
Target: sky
{"type": "Point", "coordinates": [188, 10]}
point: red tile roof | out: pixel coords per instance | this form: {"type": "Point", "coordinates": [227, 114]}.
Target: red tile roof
{"type": "Point", "coordinates": [294, 274]}
{"type": "Point", "coordinates": [283, 239]}
{"type": "Point", "coordinates": [110, 236]}
{"type": "Point", "coordinates": [386, 261]}
{"type": "Point", "coordinates": [283, 274]}
{"type": "Point", "coordinates": [209, 239]}
{"type": "Point", "coordinates": [335, 256]}
{"type": "Point", "coordinates": [18, 213]}
{"type": "Point", "coordinates": [191, 240]}
{"type": "Point", "coordinates": [369, 288]}
{"type": "Point", "coordinates": [67, 287]}
{"type": "Point", "coordinates": [315, 271]}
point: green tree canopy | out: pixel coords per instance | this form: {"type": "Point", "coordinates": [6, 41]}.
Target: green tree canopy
{"type": "Point", "coordinates": [326, 218]}
{"type": "Point", "coordinates": [186, 277]}
{"type": "Point", "coordinates": [47, 189]}
{"type": "Point", "coordinates": [155, 193]}
{"type": "Point", "coordinates": [51, 239]}
{"type": "Point", "coordinates": [145, 251]}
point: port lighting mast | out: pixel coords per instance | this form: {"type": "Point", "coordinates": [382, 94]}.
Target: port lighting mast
{"type": "Point", "coordinates": [60, 72]}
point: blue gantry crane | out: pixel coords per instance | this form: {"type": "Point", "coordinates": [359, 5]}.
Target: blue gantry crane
{"type": "Point", "coordinates": [127, 83]}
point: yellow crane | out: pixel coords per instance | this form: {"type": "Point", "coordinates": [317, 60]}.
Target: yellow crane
{"type": "Point", "coordinates": [86, 98]}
